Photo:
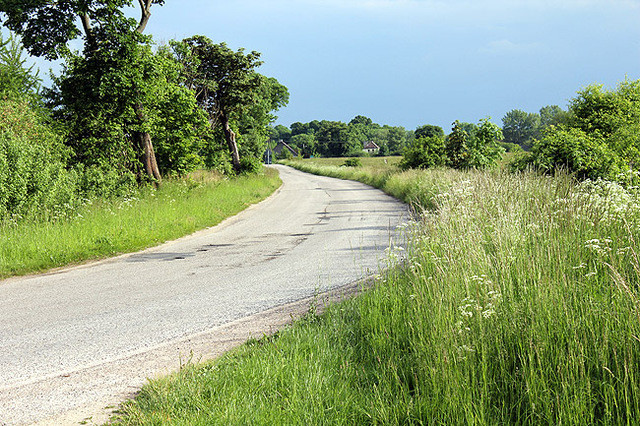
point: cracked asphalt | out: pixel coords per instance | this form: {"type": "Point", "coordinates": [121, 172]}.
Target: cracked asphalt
{"type": "Point", "coordinates": [76, 339]}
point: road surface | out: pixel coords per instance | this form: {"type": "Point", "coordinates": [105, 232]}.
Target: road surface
{"type": "Point", "coordinates": [73, 339]}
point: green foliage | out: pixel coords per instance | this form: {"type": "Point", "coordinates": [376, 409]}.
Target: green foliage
{"type": "Point", "coordinates": [457, 150]}
{"type": "Point", "coordinates": [599, 138]}
{"type": "Point", "coordinates": [352, 162]}
{"type": "Point", "coordinates": [552, 115]}
{"type": "Point", "coordinates": [588, 156]}
{"type": "Point", "coordinates": [425, 152]}
{"type": "Point", "coordinates": [48, 27]}
{"type": "Point", "coordinates": [304, 143]}
{"type": "Point", "coordinates": [236, 98]}
{"type": "Point", "coordinates": [521, 128]}
{"type": "Point", "coordinates": [107, 100]}
{"type": "Point", "coordinates": [337, 139]}
{"type": "Point", "coordinates": [498, 310]}
{"type": "Point", "coordinates": [16, 79]}
{"type": "Point", "coordinates": [480, 149]}
{"type": "Point", "coordinates": [33, 175]}
{"type": "Point", "coordinates": [428, 131]}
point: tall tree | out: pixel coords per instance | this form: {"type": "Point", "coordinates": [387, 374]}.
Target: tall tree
{"type": "Point", "coordinates": [225, 83]}
{"type": "Point", "coordinates": [48, 27]}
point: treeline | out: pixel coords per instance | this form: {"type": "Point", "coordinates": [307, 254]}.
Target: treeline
{"type": "Point", "coordinates": [123, 111]}
{"type": "Point", "coordinates": [338, 139]}
{"type": "Point", "coordinates": [598, 137]}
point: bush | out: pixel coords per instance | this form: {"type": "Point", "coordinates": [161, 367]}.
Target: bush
{"type": "Point", "coordinates": [33, 174]}
{"type": "Point", "coordinates": [588, 156]}
{"type": "Point", "coordinates": [601, 137]}
{"type": "Point", "coordinates": [352, 162]}
{"type": "Point", "coordinates": [425, 152]}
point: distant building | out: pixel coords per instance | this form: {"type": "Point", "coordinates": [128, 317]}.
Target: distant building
{"type": "Point", "coordinates": [279, 151]}
{"type": "Point", "coordinates": [371, 148]}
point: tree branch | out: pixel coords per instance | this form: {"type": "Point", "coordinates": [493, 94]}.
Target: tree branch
{"type": "Point", "coordinates": [88, 30]}
{"type": "Point", "coordinates": [145, 9]}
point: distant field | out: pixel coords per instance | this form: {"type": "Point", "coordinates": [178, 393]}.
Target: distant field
{"type": "Point", "coordinates": [369, 162]}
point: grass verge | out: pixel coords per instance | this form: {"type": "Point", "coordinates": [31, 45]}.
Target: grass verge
{"type": "Point", "coordinates": [107, 228]}
{"type": "Point", "coordinates": [518, 303]}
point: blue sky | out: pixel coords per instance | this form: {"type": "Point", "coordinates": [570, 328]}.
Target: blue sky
{"type": "Point", "coordinates": [413, 62]}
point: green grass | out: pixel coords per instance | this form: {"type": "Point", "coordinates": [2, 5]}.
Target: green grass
{"type": "Point", "coordinates": [518, 302]}
{"type": "Point", "coordinates": [107, 228]}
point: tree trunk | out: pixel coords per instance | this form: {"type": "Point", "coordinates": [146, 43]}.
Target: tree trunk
{"type": "Point", "coordinates": [230, 136]}
{"type": "Point", "coordinates": [148, 154]}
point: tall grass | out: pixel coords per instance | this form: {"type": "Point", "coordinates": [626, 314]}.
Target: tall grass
{"type": "Point", "coordinates": [148, 217]}
{"type": "Point", "coordinates": [517, 301]}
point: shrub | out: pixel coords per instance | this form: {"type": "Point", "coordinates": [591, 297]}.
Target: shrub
{"type": "Point", "coordinates": [33, 174]}
{"type": "Point", "coordinates": [588, 156]}
{"type": "Point", "coordinates": [352, 162]}
{"type": "Point", "coordinates": [425, 152]}
{"type": "Point", "coordinates": [600, 139]}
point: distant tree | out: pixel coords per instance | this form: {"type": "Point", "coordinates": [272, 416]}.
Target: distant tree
{"type": "Point", "coordinates": [305, 144]}
{"type": "Point", "coordinates": [484, 147]}
{"type": "Point", "coordinates": [396, 139]}
{"type": "Point", "coordinates": [520, 127]}
{"type": "Point", "coordinates": [429, 130]}
{"type": "Point", "coordinates": [456, 149]}
{"type": "Point", "coordinates": [281, 133]}
{"type": "Point", "coordinates": [332, 138]}
{"type": "Point", "coordinates": [600, 137]}
{"type": "Point", "coordinates": [361, 119]}
{"type": "Point", "coordinates": [552, 115]}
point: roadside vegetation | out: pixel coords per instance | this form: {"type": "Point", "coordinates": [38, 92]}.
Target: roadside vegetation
{"type": "Point", "coordinates": [134, 144]}
{"type": "Point", "coordinates": [146, 217]}
{"type": "Point", "coordinates": [515, 301]}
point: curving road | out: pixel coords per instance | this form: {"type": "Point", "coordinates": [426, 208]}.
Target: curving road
{"type": "Point", "coordinates": [76, 337]}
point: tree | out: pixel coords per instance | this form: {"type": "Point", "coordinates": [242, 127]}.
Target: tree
{"type": "Point", "coordinates": [361, 119]}
{"type": "Point", "coordinates": [48, 27]}
{"type": "Point", "coordinates": [480, 149]}
{"type": "Point", "coordinates": [332, 138]}
{"type": "Point", "coordinates": [484, 147]}
{"type": "Point", "coordinates": [225, 83]}
{"type": "Point", "coordinates": [281, 132]}
{"type": "Point", "coordinates": [429, 130]}
{"type": "Point", "coordinates": [305, 144]}
{"type": "Point", "coordinates": [520, 127]}
{"type": "Point", "coordinates": [456, 148]}
{"type": "Point", "coordinates": [598, 138]}
{"type": "Point", "coordinates": [16, 79]}
{"type": "Point", "coordinates": [254, 123]}
{"type": "Point", "coordinates": [552, 115]}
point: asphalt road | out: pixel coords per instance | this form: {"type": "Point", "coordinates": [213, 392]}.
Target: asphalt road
{"type": "Point", "coordinates": [71, 338]}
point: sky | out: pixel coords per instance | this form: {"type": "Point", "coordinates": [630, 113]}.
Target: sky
{"type": "Point", "coordinates": [414, 62]}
